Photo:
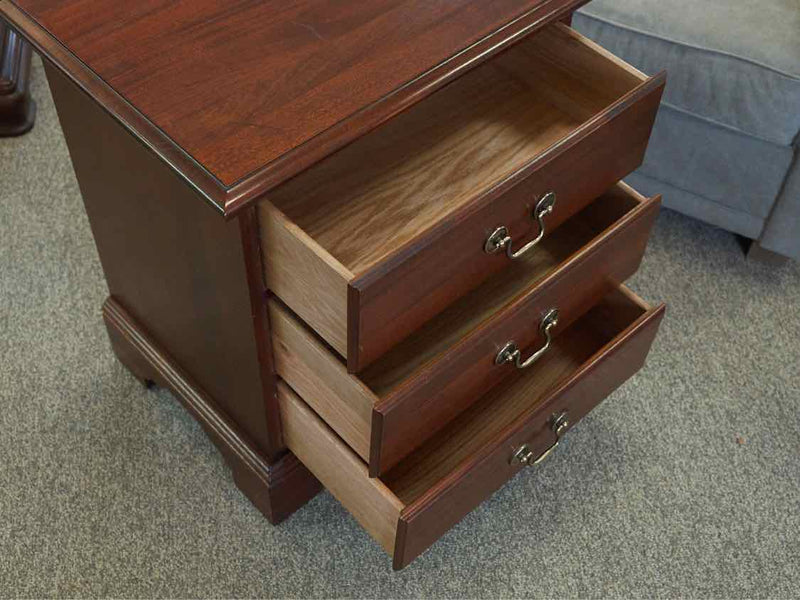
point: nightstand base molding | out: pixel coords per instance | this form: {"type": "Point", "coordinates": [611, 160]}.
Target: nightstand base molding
{"type": "Point", "coordinates": [17, 109]}
{"type": "Point", "coordinates": [276, 489]}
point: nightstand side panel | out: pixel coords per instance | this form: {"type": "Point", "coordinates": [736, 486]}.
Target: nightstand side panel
{"type": "Point", "coordinates": [175, 264]}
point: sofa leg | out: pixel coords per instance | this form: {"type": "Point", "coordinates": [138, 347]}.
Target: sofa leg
{"type": "Point", "coordinates": [755, 253]}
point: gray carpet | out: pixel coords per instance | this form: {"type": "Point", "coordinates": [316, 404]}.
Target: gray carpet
{"type": "Point", "coordinates": [686, 482]}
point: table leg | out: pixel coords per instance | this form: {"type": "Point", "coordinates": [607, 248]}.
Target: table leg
{"type": "Point", "coordinates": [755, 253]}
{"type": "Point", "coordinates": [17, 109]}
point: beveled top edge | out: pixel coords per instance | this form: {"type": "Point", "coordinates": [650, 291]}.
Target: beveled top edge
{"type": "Point", "coordinates": [197, 177]}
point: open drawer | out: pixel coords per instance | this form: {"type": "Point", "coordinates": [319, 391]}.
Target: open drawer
{"type": "Point", "coordinates": [415, 389]}
{"type": "Point", "coordinates": [515, 424]}
{"type": "Point", "coordinates": [395, 227]}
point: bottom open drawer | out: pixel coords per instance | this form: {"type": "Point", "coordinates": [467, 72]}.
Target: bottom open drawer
{"type": "Point", "coordinates": [416, 502]}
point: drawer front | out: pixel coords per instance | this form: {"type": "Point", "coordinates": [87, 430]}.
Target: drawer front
{"type": "Point", "coordinates": [460, 375]}
{"type": "Point", "coordinates": [391, 301]}
{"type": "Point", "coordinates": [417, 502]}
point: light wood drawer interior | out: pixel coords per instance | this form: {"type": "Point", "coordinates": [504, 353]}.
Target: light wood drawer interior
{"type": "Point", "coordinates": [354, 213]}
{"type": "Point", "coordinates": [417, 372]}
{"type": "Point", "coordinates": [412, 505]}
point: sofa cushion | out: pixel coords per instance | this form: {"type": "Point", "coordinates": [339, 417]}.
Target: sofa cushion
{"type": "Point", "coordinates": [733, 62]}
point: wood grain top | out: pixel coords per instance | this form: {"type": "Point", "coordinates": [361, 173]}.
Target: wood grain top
{"type": "Point", "coordinates": [477, 131]}
{"type": "Point", "coordinates": [240, 95]}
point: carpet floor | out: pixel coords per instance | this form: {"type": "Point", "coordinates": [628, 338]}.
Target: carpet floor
{"type": "Point", "coordinates": [685, 482]}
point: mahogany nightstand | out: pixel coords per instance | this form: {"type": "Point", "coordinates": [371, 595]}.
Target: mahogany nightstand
{"type": "Point", "coordinates": [377, 245]}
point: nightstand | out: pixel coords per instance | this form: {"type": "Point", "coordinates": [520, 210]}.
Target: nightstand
{"type": "Point", "coordinates": [379, 246]}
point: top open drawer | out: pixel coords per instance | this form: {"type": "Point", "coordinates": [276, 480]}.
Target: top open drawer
{"type": "Point", "coordinates": [369, 244]}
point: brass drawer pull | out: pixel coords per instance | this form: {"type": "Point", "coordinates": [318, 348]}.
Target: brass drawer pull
{"type": "Point", "coordinates": [524, 455]}
{"type": "Point", "coordinates": [511, 354]}
{"type": "Point", "coordinates": [501, 239]}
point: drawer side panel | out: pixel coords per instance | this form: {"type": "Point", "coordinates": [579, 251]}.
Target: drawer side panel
{"type": "Point", "coordinates": [339, 469]}
{"type": "Point", "coordinates": [311, 369]}
{"type": "Point", "coordinates": [306, 277]}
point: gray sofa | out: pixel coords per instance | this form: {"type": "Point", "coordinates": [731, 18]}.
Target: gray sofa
{"type": "Point", "coordinates": [725, 145]}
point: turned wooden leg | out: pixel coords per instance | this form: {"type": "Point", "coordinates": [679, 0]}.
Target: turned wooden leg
{"type": "Point", "coordinates": [17, 109]}
{"type": "Point", "coordinates": [277, 489]}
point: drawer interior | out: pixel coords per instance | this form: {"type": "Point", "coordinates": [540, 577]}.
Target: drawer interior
{"type": "Point", "coordinates": [380, 503]}
{"type": "Point", "coordinates": [346, 401]}
{"type": "Point", "coordinates": [376, 195]}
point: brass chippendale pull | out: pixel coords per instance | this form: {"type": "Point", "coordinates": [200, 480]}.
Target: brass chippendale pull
{"type": "Point", "coordinates": [511, 354]}
{"type": "Point", "coordinates": [500, 238]}
{"type": "Point", "coordinates": [524, 455]}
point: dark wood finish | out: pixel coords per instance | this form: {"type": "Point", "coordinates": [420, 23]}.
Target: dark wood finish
{"type": "Point", "coordinates": [442, 505]}
{"type": "Point", "coordinates": [170, 105]}
{"type": "Point", "coordinates": [451, 381]}
{"type": "Point", "coordinates": [17, 108]}
{"type": "Point", "coordinates": [277, 489]}
{"type": "Point", "coordinates": [407, 289]}
{"type": "Point", "coordinates": [319, 74]}
{"type": "Point", "coordinates": [251, 251]}
{"type": "Point", "coordinates": [208, 188]}
{"type": "Point", "coordinates": [190, 278]}
{"type": "Point", "coordinates": [756, 253]}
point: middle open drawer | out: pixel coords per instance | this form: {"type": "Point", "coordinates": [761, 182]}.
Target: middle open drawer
{"type": "Point", "coordinates": [399, 402]}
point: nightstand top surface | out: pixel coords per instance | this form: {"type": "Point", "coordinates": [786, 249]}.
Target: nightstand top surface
{"type": "Point", "coordinates": [252, 91]}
